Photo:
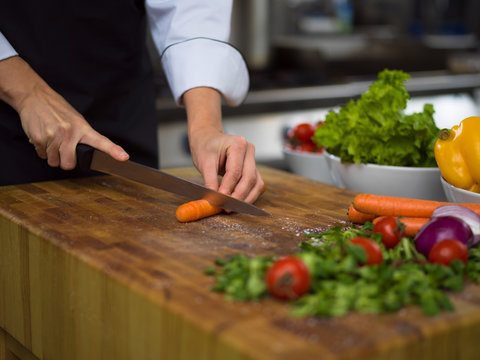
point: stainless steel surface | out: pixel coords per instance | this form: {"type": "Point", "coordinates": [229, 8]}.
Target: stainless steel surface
{"type": "Point", "coordinates": [415, 85]}
{"type": "Point", "coordinates": [164, 181]}
{"type": "Point", "coordinates": [324, 96]}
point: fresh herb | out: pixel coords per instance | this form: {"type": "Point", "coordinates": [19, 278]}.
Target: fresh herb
{"type": "Point", "coordinates": [241, 278]}
{"type": "Point", "coordinates": [375, 128]}
{"type": "Point", "coordinates": [342, 284]}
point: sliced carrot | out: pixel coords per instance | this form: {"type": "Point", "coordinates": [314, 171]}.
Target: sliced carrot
{"type": "Point", "coordinates": [199, 209]}
{"type": "Point", "coordinates": [400, 206]}
{"type": "Point", "coordinates": [195, 210]}
{"type": "Point", "coordinates": [358, 217]}
{"type": "Point", "coordinates": [412, 224]}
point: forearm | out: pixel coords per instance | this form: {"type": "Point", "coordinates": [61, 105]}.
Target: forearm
{"type": "Point", "coordinates": [17, 81]}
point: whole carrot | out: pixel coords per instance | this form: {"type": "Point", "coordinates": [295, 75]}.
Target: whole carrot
{"type": "Point", "coordinates": [195, 210]}
{"type": "Point", "coordinates": [412, 224]}
{"type": "Point", "coordinates": [399, 206]}
{"type": "Point", "coordinates": [358, 217]}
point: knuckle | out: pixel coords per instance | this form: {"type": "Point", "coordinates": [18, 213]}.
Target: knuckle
{"type": "Point", "coordinates": [66, 126]}
{"type": "Point", "coordinates": [240, 141]}
{"type": "Point", "coordinates": [252, 147]}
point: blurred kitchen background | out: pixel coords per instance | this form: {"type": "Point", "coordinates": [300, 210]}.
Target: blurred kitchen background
{"type": "Point", "coordinates": [309, 56]}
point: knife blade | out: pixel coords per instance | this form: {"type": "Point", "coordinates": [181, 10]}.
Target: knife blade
{"type": "Point", "coordinates": [89, 158]}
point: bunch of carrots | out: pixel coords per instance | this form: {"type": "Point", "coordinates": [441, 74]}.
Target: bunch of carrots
{"type": "Point", "coordinates": [414, 213]}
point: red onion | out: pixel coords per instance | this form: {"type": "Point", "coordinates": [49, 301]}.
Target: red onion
{"type": "Point", "coordinates": [467, 215]}
{"type": "Point", "coordinates": [441, 228]}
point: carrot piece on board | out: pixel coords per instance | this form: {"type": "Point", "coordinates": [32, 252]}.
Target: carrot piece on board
{"type": "Point", "coordinates": [195, 210]}
{"type": "Point", "coordinates": [358, 217]}
{"type": "Point", "coordinates": [412, 224]}
{"type": "Point", "coordinates": [400, 206]}
{"type": "Point", "coordinates": [199, 209]}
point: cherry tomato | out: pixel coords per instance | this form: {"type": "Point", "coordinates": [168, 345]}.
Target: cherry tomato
{"type": "Point", "coordinates": [306, 147]}
{"type": "Point", "coordinates": [372, 249]}
{"type": "Point", "coordinates": [304, 132]}
{"type": "Point", "coordinates": [445, 251]}
{"type": "Point", "coordinates": [288, 278]}
{"type": "Point", "coordinates": [391, 229]}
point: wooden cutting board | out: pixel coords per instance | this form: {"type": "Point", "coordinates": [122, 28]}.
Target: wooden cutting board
{"type": "Point", "coordinates": [99, 268]}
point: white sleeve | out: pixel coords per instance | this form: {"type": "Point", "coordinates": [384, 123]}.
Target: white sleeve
{"type": "Point", "coordinates": [192, 38]}
{"type": "Point", "coordinates": [6, 50]}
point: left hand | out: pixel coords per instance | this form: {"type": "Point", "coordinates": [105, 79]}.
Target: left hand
{"type": "Point", "coordinates": [215, 153]}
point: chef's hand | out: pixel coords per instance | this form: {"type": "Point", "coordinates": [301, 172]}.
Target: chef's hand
{"type": "Point", "coordinates": [215, 153]}
{"type": "Point", "coordinates": [53, 126]}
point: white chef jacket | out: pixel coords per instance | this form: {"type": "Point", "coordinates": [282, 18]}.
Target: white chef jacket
{"type": "Point", "coordinates": [192, 38]}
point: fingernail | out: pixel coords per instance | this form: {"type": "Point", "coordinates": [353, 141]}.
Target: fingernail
{"type": "Point", "coordinates": [122, 154]}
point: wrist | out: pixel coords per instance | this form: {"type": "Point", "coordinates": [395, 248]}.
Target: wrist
{"type": "Point", "coordinates": [203, 108]}
{"type": "Point", "coordinates": [17, 81]}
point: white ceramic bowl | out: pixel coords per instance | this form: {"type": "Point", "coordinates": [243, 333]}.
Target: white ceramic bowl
{"type": "Point", "coordinates": [404, 181]}
{"type": "Point", "coordinates": [457, 195]}
{"type": "Point", "coordinates": [310, 165]}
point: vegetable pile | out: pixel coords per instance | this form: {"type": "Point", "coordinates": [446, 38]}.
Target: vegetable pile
{"type": "Point", "coordinates": [369, 268]}
{"type": "Point", "coordinates": [415, 213]}
{"type": "Point", "coordinates": [375, 128]}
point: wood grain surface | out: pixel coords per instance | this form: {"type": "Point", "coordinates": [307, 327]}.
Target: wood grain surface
{"type": "Point", "coordinates": [99, 268]}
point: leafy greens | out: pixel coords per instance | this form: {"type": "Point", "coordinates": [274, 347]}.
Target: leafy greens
{"type": "Point", "coordinates": [375, 128]}
{"type": "Point", "coordinates": [340, 285]}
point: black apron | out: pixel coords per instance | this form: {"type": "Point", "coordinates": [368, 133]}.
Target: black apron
{"type": "Point", "coordinates": [92, 52]}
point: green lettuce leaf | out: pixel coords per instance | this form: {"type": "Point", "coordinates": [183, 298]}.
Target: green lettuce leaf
{"type": "Point", "coordinates": [375, 129]}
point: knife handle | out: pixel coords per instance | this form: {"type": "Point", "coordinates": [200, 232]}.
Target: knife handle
{"type": "Point", "coordinates": [84, 156]}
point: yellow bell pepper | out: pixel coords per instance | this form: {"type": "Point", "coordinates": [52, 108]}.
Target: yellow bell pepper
{"type": "Point", "coordinates": [457, 152]}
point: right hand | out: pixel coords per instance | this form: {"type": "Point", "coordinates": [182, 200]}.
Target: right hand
{"type": "Point", "coordinates": [52, 125]}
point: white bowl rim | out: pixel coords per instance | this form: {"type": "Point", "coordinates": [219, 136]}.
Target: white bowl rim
{"type": "Point", "coordinates": [386, 167]}
{"type": "Point", "coordinates": [460, 190]}
{"type": "Point", "coordinates": [301, 153]}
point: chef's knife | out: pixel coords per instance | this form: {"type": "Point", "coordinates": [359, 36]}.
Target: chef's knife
{"type": "Point", "coordinates": [89, 158]}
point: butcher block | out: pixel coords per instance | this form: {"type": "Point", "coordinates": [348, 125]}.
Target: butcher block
{"type": "Point", "coordinates": [99, 268]}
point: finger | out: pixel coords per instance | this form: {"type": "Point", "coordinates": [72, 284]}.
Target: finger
{"type": "Point", "coordinates": [210, 176]}
{"type": "Point", "coordinates": [53, 153]}
{"type": "Point", "coordinates": [68, 156]}
{"type": "Point", "coordinates": [41, 152]}
{"type": "Point", "coordinates": [258, 190]}
{"type": "Point", "coordinates": [104, 144]}
{"type": "Point", "coordinates": [249, 177]}
{"type": "Point", "coordinates": [235, 159]}
{"type": "Point", "coordinates": [39, 148]}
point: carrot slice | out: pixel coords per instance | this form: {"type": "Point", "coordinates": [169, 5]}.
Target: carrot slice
{"type": "Point", "coordinates": [195, 210]}
{"type": "Point", "coordinates": [199, 209]}
{"type": "Point", "coordinates": [399, 206]}
{"type": "Point", "coordinates": [358, 217]}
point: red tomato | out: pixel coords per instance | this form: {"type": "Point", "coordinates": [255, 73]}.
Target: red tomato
{"type": "Point", "coordinates": [304, 132]}
{"type": "Point", "coordinates": [306, 147]}
{"type": "Point", "coordinates": [445, 251]}
{"type": "Point", "coordinates": [372, 249]}
{"type": "Point", "coordinates": [288, 278]}
{"type": "Point", "coordinates": [392, 231]}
